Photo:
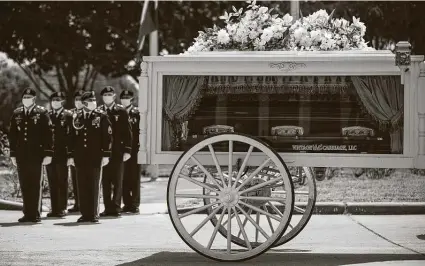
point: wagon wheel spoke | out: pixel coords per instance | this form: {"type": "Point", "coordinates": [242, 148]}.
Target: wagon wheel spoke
{"type": "Point", "coordinates": [204, 185]}
{"type": "Point", "coordinates": [208, 174]}
{"type": "Point", "coordinates": [241, 229]}
{"type": "Point", "coordinates": [216, 230]}
{"type": "Point", "coordinates": [251, 176]}
{"type": "Point", "coordinates": [232, 216]}
{"type": "Point", "coordinates": [257, 220]}
{"type": "Point", "coordinates": [253, 223]}
{"type": "Point", "coordinates": [229, 231]}
{"type": "Point", "coordinates": [217, 165]}
{"type": "Point", "coordinates": [196, 196]}
{"type": "Point", "coordinates": [275, 209]}
{"type": "Point", "coordinates": [230, 163]}
{"type": "Point", "coordinates": [298, 209]}
{"type": "Point", "coordinates": [244, 222]}
{"type": "Point", "coordinates": [263, 198]}
{"type": "Point", "coordinates": [244, 163]}
{"type": "Point", "coordinates": [205, 220]}
{"type": "Point", "coordinates": [261, 185]}
{"type": "Point", "coordinates": [268, 218]}
{"type": "Point", "coordinates": [198, 209]}
{"type": "Point", "coordinates": [260, 211]}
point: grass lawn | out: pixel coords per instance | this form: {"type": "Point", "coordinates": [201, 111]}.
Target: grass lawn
{"type": "Point", "coordinates": [344, 187]}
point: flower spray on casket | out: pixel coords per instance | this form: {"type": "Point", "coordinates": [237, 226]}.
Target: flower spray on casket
{"type": "Point", "coordinates": [258, 29]}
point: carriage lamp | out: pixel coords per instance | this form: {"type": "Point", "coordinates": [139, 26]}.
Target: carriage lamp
{"type": "Point", "coordinates": [402, 57]}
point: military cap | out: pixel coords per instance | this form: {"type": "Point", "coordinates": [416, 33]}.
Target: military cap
{"type": "Point", "coordinates": [88, 95]}
{"type": "Point", "coordinates": [57, 94]}
{"type": "Point", "coordinates": [107, 89]}
{"type": "Point", "coordinates": [29, 91]}
{"type": "Point", "coordinates": [78, 93]}
{"type": "Point", "coordinates": [127, 93]}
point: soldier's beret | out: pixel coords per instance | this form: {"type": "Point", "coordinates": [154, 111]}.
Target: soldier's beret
{"type": "Point", "coordinates": [107, 89]}
{"type": "Point", "coordinates": [79, 93]}
{"type": "Point", "coordinates": [88, 95]}
{"type": "Point", "coordinates": [58, 94]}
{"type": "Point", "coordinates": [29, 91]}
{"type": "Point", "coordinates": [126, 93]}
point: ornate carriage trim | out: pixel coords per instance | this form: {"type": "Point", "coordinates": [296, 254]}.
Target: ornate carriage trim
{"type": "Point", "coordinates": [287, 66]}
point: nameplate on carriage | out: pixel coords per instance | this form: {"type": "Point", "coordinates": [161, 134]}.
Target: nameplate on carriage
{"type": "Point", "coordinates": [324, 147]}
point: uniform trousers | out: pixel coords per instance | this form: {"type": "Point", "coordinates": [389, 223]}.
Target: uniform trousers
{"type": "Point", "coordinates": [57, 174]}
{"type": "Point", "coordinates": [30, 181]}
{"type": "Point", "coordinates": [74, 186]}
{"type": "Point", "coordinates": [131, 182]}
{"type": "Point", "coordinates": [112, 185]}
{"type": "Point", "coordinates": [88, 182]}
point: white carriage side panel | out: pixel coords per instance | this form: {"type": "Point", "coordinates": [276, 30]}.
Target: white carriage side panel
{"type": "Point", "coordinates": [420, 161]}
{"type": "Point", "coordinates": [216, 65]}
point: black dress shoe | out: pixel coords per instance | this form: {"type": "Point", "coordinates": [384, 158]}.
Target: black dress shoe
{"type": "Point", "coordinates": [74, 209]}
{"type": "Point", "coordinates": [82, 219]}
{"type": "Point", "coordinates": [24, 219]}
{"type": "Point", "coordinates": [135, 210]}
{"type": "Point", "coordinates": [126, 209]}
{"type": "Point", "coordinates": [115, 214]}
{"type": "Point", "coordinates": [94, 220]}
{"type": "Point", "coordinates": [103, 214]}
{"type": "Point", "coordinates": [61, 214]}
{"type": "Point", "coordinates": [51, 214]}
{"type": "Point", "coordinates": [36, 220]}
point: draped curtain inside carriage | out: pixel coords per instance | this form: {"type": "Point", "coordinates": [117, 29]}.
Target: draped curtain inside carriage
{"type": "Point", "coordinates": [383, 99]}
{"type": "Point", "coordinates": [181, 95]}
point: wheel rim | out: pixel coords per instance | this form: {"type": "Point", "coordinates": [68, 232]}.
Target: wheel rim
{"type": "Point", "coordinates": [229, 199]}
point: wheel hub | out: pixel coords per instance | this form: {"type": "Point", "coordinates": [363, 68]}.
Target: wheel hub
{"type": "Point", "coordinates": [229, 197]}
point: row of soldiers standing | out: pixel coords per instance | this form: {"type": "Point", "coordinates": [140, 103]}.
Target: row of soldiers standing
{"type": "Point", "coordinates": [100, 144]}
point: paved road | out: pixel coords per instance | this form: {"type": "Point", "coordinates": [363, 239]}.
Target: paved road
{"type": "Point", "coordinates": [151, 240]}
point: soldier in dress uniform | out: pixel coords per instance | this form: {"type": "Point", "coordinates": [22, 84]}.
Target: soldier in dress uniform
{"type": "Point", "coordinates": [31, 147]}
{"type": "Point", "coordinates": [78, 106]}
{"type": "Point", "coordinates": [57, 171]}
{"type": "Point", "coordinates": [121, 151]}
{"type": "Point", "coordinates": [132, 170]}
{"type": "Point", "coordinates": [90, 152]}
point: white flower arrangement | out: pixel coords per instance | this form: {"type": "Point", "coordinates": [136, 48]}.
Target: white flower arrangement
{"type": "Point", "coordinates": [257, 29]}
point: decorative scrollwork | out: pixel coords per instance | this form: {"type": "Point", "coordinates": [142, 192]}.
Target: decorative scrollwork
{"type": "Point", "coordinates": [287, 66]}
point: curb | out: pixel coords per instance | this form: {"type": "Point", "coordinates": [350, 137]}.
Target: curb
{"type": "Point", "coordinates": [356, 208]}
{"type": "Point", "coordinates": [15, 206]}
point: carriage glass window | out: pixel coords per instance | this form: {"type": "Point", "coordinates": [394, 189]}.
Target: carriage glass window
{"type": "Point", "coordinates": [301, 114]}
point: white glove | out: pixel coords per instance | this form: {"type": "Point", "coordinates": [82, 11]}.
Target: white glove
{"type": "Point", "coordinates": [47, 160]}
{"type": "Point", "coordinates": [13, 159]}
{"type": "Point", "coordinates": [126, 157]}
{"type": "Point", "coordinates": [70, 162]}
{"type": "Point", "coordinates": [105, 161]}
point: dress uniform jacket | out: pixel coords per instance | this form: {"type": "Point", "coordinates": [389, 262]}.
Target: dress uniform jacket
{"type": "Point", "coordinates": [112, 179]}
{"type": "Point", "coordinates": [57, 171]}
{"type": "Point", "coordinates": [91, 141]}
{"type": "Point", "coordinates": [121, 131]}
{"type": "Point", "coordinates": [132, 170]}
{"type": "Point", "coordinates": [30, 141]}
{"type": "Point", "coordinates": [74, 175]}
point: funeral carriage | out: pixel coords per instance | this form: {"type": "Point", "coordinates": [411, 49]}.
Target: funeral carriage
{"type": "Point", "coordinates": [244, 129]}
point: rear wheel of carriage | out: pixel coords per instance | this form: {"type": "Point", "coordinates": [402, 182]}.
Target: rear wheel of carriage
{"type": "Point", "coordinates": [232, 198]}
{"type": "Point", "coordinates": [305, 200]}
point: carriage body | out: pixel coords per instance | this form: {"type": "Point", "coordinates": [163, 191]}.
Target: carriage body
{"type": "Point", "coordinates": [352, 143]}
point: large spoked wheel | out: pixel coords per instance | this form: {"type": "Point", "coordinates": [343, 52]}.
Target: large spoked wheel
{"type": "Point", "coordinates": [305, 199]}
{"type": "Point", "coordinates": [233, 198]}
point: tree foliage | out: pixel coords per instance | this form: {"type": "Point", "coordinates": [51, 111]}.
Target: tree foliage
{"type": "Point", "coordinates": [69, 38]}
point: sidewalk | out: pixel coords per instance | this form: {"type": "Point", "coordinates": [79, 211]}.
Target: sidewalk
{"type": "Point", "coordinates": [151, 240]}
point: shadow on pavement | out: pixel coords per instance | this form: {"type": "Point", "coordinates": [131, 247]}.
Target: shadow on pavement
{"type": "Point", "coordinates": [421, 237]}
{"type": "Point", "coordinates": [284, 257]}
{"type": "Point", "coordinates": [75, 224]}
{"type": "Point", "coordinates": [18, 224]}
